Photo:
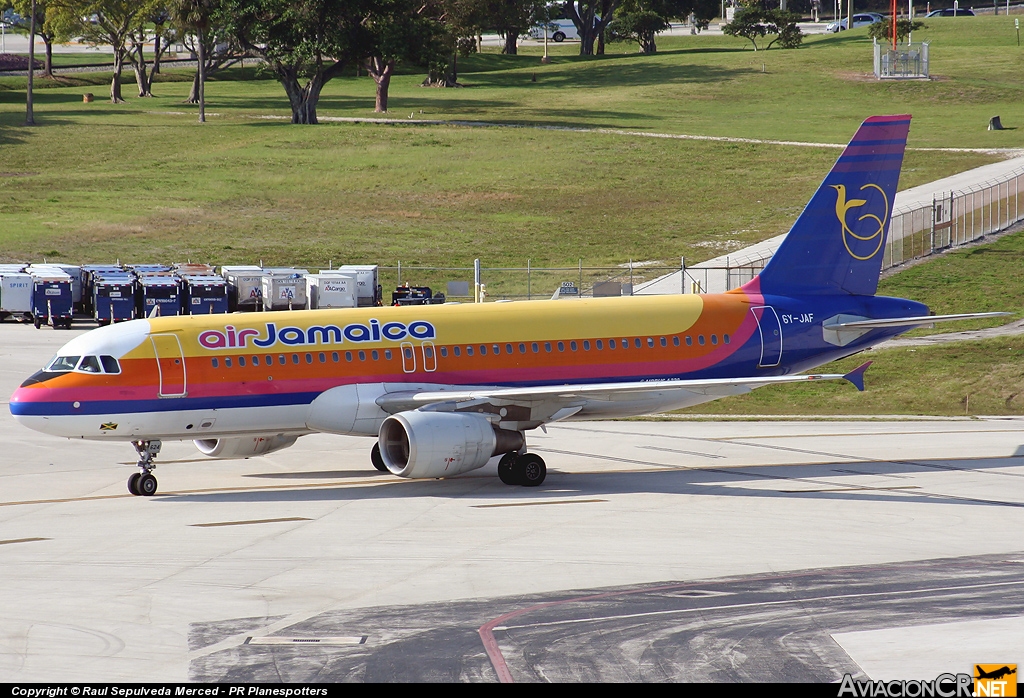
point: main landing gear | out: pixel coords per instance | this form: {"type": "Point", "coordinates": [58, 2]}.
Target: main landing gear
{"type": "Point", "coordinates": [525, 469]}
{"type": "Point", "coordinates": [377, 460]}
{"type": "Point", "coordinates": [144, 482]}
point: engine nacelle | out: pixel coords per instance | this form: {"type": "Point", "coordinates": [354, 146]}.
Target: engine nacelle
{"type": "Point", "coordinates": [441, 444]}
{"type": "Point", "coordinates": [244, 446]}
{"type": "Point", "coordinates": [348, 409]}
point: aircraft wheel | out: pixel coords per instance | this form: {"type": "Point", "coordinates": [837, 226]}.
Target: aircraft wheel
{"type": "Point", "coordinates": [133, 483]}
{"type": "Point", "coordinates": [376, 459]}
{"type": "Point", "coordinates": [507, 468]}
{"type": "Point", "coordinates": [146, 484]}
{"type": "Point", "coordinates": [530, 470]}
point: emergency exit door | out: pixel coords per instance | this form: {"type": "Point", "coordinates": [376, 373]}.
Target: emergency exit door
{"type": "Point", "coordinates": [770, 328]}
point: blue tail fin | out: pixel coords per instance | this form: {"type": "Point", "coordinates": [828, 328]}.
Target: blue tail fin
{"type": "Point", "coordinates": [837, 243]}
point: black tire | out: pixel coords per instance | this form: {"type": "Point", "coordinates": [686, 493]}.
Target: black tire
{"type": "Point", "coordinates": [133, 483]}
{"type": "Point", "coordinates": [36, 322]}
{"type": "Point", "coordinates": [377, 460]}
{"type": "Point", "coordinates": [559, 37]}
{"type": "Point", "coordinates": [146, 485]}
{"type": "Point", "coordinates": [530, 470]}
{"type": "Point", "coordinates": [507, 468]}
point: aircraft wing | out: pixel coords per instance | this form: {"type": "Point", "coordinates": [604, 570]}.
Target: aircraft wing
{"type": "Point", "coordinates": [565, 400]}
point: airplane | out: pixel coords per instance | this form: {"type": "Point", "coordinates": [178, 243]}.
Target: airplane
{"type": "Point", "coordinates": [995, 674]}
{"type": "Point", "coordinates": [445, 388]}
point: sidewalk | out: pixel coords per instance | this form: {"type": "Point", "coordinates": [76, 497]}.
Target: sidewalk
{"type": "Point", "coordinates": [908, 199]}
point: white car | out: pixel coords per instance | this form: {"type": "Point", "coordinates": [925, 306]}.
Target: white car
{"type": "Point", "coordinates": [558, 30]}
{"type": "Point", "coordinates": [861, 19]}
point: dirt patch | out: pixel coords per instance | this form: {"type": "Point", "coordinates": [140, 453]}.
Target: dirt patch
{"type": "Point", "coordinates": [9, 61]}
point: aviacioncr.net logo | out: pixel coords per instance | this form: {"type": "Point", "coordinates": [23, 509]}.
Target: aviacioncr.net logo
{"type": "Point", "coordinates": [876, 227]}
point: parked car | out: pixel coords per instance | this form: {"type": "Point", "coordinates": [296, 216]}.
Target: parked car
{"type": "Point", "coordinates": [951, 12]}
{"type": "Point", "coordinates": [861, 19]}
{"type": "Point", "coordinates": [558, 30]}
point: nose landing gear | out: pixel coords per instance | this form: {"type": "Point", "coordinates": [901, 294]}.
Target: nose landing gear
{"type": "Point", "coordinates": [144, 482]}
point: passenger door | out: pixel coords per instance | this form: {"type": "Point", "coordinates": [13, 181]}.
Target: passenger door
{"type": "Point", "coordinates": [170, 363]}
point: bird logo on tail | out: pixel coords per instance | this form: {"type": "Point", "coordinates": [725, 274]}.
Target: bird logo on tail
{"type": "Point", "coordinates": [843, 206]}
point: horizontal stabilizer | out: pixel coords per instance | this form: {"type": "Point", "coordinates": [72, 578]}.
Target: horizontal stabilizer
{"type": "Point", "coordinates": [856, 376]}
{"type": "Point", "coordinates": [862, 325]}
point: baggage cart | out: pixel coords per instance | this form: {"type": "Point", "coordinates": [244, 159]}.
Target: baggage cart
{"type": "Point", "coordinates": [331, 290]}
{"type": "Point", "coordinates": [245, 287]}
{"type": "Point", "coordinates": [204, 294]}
{"type": "Point", "coordinates": [157, 295]}
{"type": "Point", "coordinates": [113, 298]}
{"type": "Point", "coordinates": [15, 295]}
{"type": "Point", "coordinates": [51, 300]}
{"type": "Point", "coordinates": [284, 289]}
{"type": "Point", "coordinates": [368, 291]}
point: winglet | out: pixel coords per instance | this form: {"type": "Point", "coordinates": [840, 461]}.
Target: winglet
{"type": "Point", "coordinates": [856, 376]}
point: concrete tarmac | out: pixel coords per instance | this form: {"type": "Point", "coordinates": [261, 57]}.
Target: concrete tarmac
{"type": "Point", "coordinates": [656, 550]}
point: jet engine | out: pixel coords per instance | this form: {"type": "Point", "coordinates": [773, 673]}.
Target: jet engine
{"type": "Point", "coordinates": [418, 444]}
{"type": "Point", "coordinates": [244, 446]}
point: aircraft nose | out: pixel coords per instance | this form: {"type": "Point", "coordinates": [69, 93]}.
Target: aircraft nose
{"type": "Point", "coordinates": [27, 409]}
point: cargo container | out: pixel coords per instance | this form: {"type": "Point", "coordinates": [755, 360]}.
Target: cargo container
{"type": "Point", "coordinates": [368, 291]}
{"type": "Point", "coordinates": [157, 295]}
{"type": "Point", "coordinates": [72, 270]}
{"type": "Point", "coordinates": [284, 289]}
{"type": "Point", "coordinates": [203, 294]}
{"type": "Point", "coordinates": [88, 274]}
{"type": "Point", "coordinates": [245, 287]}
{"type": "Point", "coordinates": [15, 295]}
{"type": "Point", "coordinates": [51, 299]}
{"type": "Point", "coordinates": [331, 290]}
{"type": "Point", "coordinates": [113, 298]}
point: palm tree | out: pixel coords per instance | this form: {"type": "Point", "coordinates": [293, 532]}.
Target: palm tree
{"type": "Point", "coordinates": [195, 16]}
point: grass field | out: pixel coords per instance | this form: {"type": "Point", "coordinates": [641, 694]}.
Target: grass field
{"type": "Point", "coordinates": [143, 182]}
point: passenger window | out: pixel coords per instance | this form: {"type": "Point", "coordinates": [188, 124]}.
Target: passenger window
{"type": "Point", "coordinates": [561, 346]}
{"type": "Point", "coordinates": [689, 341]}
{"type": "Point", "coordinates": [547, 347]}
{"type": "Point", "coordinates": [268, 360]}
{"type": "Point", "coordinates": [428, 352]}
{"type": "Point", "coordinates": [522, 349]}
{"type": "Point", "coordinates": [637, 342]}
{"type": "Point", "coordinates": [110, 364]}
{"type": "Point", "coordinates": [535, 347]}
{"type": "Point", "coordinates": [508, 348]}
{"type": "Point", "coordinates": [334, 356]}
{"type": "Point", "coordinates": [227, 362]}
{"type": "Point", "coordinates": [309, 358]}
{"type": "Point", "coordinates": [572, 345]}
{"type": "Point", "coordinates": [700, 339]}
{"type": "Point", "coordinates": [444, 351]}
{"type": "Point", "coordinates": [90, 364]}
{"type": "Point", "coordinates": [348, 356]}
{"type": "Point", "coordinates": [664, 342]}
{"type": "Point", "coordinates": [611, 344]}
{"type": "Point", "coordinates": [362, 355]}
{"type": "Point", "coordinates": [599, 344]}
{"type": "Point", "coordinates": [586, 345]}
{"type": "Point", "coordinates": [469, 351]}
{"type": "Point", "coordinates": [650, 342]}
{"type": "Point", "coordinates": [496, 349]}
{"type": "Point", "coordinates": [457, 351]}
{"type": "Point", "coordinates": [295, 358]}
{"type": "Point", "coordinates": [215, 363]}
{"type": "Point", "coordinates": [714, 339]}
{"type": "Point", "coordinates": [725, 338]}
{"type": "Point", "coordinates": [483, 350]}
{"type": "Point", "coordinates": [255, 361]}
{"type": "Point", "coordinates": [387, 354]}
{"type": "Point", "coordinates": [375, 355]}
{"type": "Point", "coordinates": [323, 358]}
{"type": "Point", "coordinates": [281, 360]}
{"type": "Point", "coordinates": [675, 341]}
{"type": "Point", "coordinates": [241, 361]}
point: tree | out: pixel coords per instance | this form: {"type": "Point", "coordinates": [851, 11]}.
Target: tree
{"type": "Point", "coordinates": [403, 31]}
{"type": "Point", "coordinates": [24, 10]}
{"type": "Point", "coordinates": [194, 18]}
{"type": "Point", "coordinates": [99, 22]}
{"type": "Point", "coordinates": [882, 31]}
{"type": "Point", "coordinates": [753, 23]}
{"type": "Point", "coordinates": [305, 43]}
{"type": "Point", "coordinates": [640, 27]}
{"type": "Point", "coordinates": [590, 17]}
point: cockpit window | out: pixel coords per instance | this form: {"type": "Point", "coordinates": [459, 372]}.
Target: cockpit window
{"type": "Point", "coordinates": [110, 364]}
{"type": "Point", "coordinates": [89, 364]}
{"type": "Point", "coordinates": [63, 364]}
